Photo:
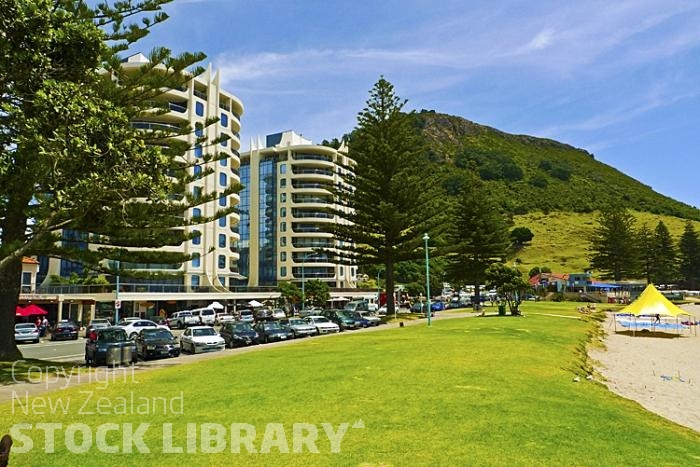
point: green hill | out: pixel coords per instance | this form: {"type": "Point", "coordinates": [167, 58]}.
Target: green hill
{"type": "Point", "coordinates": [535, 174]}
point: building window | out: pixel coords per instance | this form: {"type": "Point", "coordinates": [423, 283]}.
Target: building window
{"type": "Point", "coordinates": [283, 182]}
{"type": "Point", "coordinates": [224, 143]}
{"type": "Point", "coordinates": [222, 262]}
{"type": "Point", "coordinates": [222, 221]}
{"type": "Point", "coordinates": [224, 119]}
{"type": "Point", "coordinates": [198, 150]}
{"type": "Point", "coordinates": [283, 168]}
{"type": "Point", "coordinates": [197, 169]}
{"type": "Point", "coordinates": [283, 226]}
{"type": "Point", "coordinates": [283, 212]}
{"type": "Point", "coordinates": [283, 256]}
{"type": "Point", "coordinates": [342, 270]}
{"type": "Point", "coordinates": [197, 192]}
{"type": "Point", "coordinates": [199, 131]}
{"type": "Point", "coordinates": [283, 241]}
{"type": "Point", "coordinates": [196, 260]}
{"type": "Point", "coordinates": [283, 197]}
{"type": "Point", "coordinates": [222, 281]}
{"type": "Point", "coordinates": [199, 109]}
{"type": "Point", "coordinates": [222, 240]}
{"type": "Point", "coordinates": [222, 201]}
{"type": "Point", "coordinates": [223, 162]}
{"type": "Point", "coordinates": [198, 239]}
{"type": "Point", "coordinates": [196, 212]}
{"type": "Point", "coordinates": [223, 180]}
{"type": "Point", "coordinates": [194, 281]}
{"type": "Point", "coordinates": [283, 271]}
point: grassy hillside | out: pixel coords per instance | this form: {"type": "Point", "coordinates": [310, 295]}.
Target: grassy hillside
{"type": "Point", "coordinates": [560, 240]}
{"type": "Point", "coordinates": [534, 174]}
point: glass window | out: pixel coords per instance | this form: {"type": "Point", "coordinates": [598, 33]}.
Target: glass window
{"type": "Point", "coordinates": [222, 262]}
{"type": "Point", "coordinates": [198, 150]}
{"type": "Point", "coordinates": [283, 226]}
{"type": "Point", "coordinates": [196, 212]}
{"type": "Point", "coordinates": [194, 281]}
{"type": "Point", "coordinates": [223, 179]}
{"type": "Point", "coordinates": [283, 241]}
{"type": "Point", "coordinates": [283, 182]}
{"type": "Point", "coordinates": [222, 240]}
{"type": "Point", "coordinates": [283, 168]}
{"type": "Point", "coordinates": [222, 280]}
{"type": "Point", "coordinates": [196, 260]}
{"type": "Point", "coordinates": [222, 221]}
{"type": "Point", "coordinates": [283, 212]}
{"type": "Point", "coordinates": [198, 131]}
{"type": "Point", "coordinates": [197, 169]}
{"type": "Point", "coordinates": [197, 192]}
{"type": "Point", "coordinates": [224, 143]}
{"type": "Point", "coordinates": [198, 239]}
{"type": "Point", "coordinates": [283, 271]}
{"type": "Point", "coordinates": [224, 119]}
{"type": "Point", "coordinates": [283, 197]}
{"type": "Point", "coordinates": [222, 201]}
{"type": "Point", "coordinates": [223, 162]}
{"type": "Point", "coordinates": [341, 270]}
{"type": "Point", "coordinates": [283, 256]}
{"type": "Point", "coordinates": [199, 109]}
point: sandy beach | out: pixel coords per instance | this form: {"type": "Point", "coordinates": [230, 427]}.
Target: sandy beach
{"type": "Point", "coordinates": [660, 373]}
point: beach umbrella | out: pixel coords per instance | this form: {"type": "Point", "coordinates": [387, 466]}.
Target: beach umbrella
{"type": "Point", "coordinates": [216, 306]}
{"type": "Point", "coordinates": [255, 303]}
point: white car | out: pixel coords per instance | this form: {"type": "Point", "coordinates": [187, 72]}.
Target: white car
{"type": "Point", "coordinates": [26, 332]}
{"type": "Point", "coordinates": [223, 318]}
{"type": "Point", "coordinates": [184, 318]}
{"type": "Point", "coordinates": [322, 324]}
{"type": "Point", "coordinates": [133, 328]}
{"type": "Point", "coordinates": [382, 310]}
{"type": "Point", "coordinates": [201, 339]}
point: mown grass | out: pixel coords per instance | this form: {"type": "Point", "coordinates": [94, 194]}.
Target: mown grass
{"type": "Point", "coordinates": [474, 391]}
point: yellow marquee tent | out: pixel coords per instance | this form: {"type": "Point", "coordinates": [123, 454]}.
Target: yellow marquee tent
{"type": "Point", "coordinates": [651, 302]}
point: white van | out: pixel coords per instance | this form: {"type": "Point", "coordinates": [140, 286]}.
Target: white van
{"type": "Point", "coordinates": [206, 316]}
{"type": "Point", "coordinates": [357, 305]}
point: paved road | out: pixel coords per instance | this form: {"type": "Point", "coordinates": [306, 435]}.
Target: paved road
{"type": "Point", "coordinates": [55, 351]}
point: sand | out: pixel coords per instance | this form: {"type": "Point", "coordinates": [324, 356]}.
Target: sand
{"type": "Point", "coordinates": [662, 374]}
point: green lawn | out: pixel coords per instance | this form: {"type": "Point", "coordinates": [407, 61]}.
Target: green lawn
{"type": "Point", "coordinates": [474, 391]}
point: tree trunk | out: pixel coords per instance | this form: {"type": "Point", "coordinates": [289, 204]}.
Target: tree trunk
{"type": "Point", "coordinates": [10, 279]}
{"type": "Point", "coordinates": [477, 297]}
{"type": "Point", "coordinates": [390, 304]}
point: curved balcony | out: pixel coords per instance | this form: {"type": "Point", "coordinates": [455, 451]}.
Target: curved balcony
{"type": "Point", "coordinates": [305, 214]}
{"type": "Point", "coordinates": [314, 272]}
{"type": "Point", "coordinates": [155, 126]}
{"type": "Point", "coordinates": [312, 242]}
{"type": "Point", "coordinates": [311, 173]}
{"type": "Point", "coordinates": [315, 186]}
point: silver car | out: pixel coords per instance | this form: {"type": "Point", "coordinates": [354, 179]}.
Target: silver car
{"type": "Point", "coordinates": [26, 332]}
{"type": "Point", "coordinates": [299, 327]}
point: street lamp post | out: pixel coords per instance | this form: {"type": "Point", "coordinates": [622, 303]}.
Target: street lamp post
{"type": "Point", "coordinates": [117, 302]}
{"type": "Point", "coordinates": [427, 273]}
{"type": "Point", "coordinates": [303, 295]}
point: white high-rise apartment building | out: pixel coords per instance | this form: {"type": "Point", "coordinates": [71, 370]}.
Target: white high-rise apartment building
{"type": "Point", "coordinates": [287, 182]}
{"type": "Point", "coordinates": [215, 265]}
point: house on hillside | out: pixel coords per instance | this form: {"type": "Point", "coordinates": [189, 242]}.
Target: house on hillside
{"type": "Point", "coordinates": [549, 281]}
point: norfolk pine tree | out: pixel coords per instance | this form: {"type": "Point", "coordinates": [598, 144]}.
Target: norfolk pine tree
{"type": "Point", "coordinates": [689, 256]}
{"type": "Point", "coordinates": [664, 264]}
{"type": "Point", "coordinates": [396, 197]}
{"type": "Point", "coordinates": [70, 159]}
{"type": "Point", "coordinates": [612, 244]}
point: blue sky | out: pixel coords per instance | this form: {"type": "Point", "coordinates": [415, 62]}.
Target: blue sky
{"type": "Point", "coordinates": [617, 78]}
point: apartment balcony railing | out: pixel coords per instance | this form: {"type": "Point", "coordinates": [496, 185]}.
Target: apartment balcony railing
{"type": "Point", "coordinates": [312, 157]}
{"type": "Point", "coordinates": [153, 126]}
{"type": "Point", "coordinates": [201, 94]}
{"type": "Point", "coordinates": [310, 185]}
{"type": "Point", "coordinates": [311, 214]}
{"type": "Point", "coordinates": [302, 228]}
{"type": "Point", "coordinates": [224, 106]}
{"type": "Point", "coordinates": [175, 107]}
{"type": "Point", "coordinates": [315, 243]}
{"type": "Point", "coordinates": [301, 171]}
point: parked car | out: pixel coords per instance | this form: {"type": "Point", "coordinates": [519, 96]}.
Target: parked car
{"type": "Point", "coordinates": [263, 314]}
{"type": "Point", "coordinates": [342, 318]}
{"type": "Point", "coordinates": [201, 339]}
{"type": "Point", "coordinates": [437, 306]}
{"type": "Point", "coordinates": [65, 329]}
{"type": "Point", "coordinates": [156, 342]}
{"type": "Point", "coordinates": [26, 332]}
{"type": "Point", "coordinates": [357, 305]}
{"type": "Point", "coordinates": [278, 313]}
{"type": "Point", "coordinates": [419, 307]}
{"type": "Point", "coordinates": [182, 319]}
{"type": "Point", "coordinates": [322, 324]}
{"type": "Point", "coordinates": [272, 331]}
{"type": "Point", "coordinates": [134, 327]}
{"type": "Point", "coordinates": [239, 334]}
{"type": "Point", "coordinates": [382, 310]}
{"type": "Point", "coordinates": [127, 320]}
{"type": "Point", "coordinates": [110, 346]}
{"type": "Point", "coordinates": [246, 315]}
{"type": "Point", "coordinates": [223, 318]}
{"type": "Point", "coordinates": [205, 316]}
{"type": "Point", "coordinates": [360, 320]}
{"type": "Point", "coordinates": [298, 326]}
{"type": "Point", "coordinates": [97, 323]}
{"type": "Point", "coordinates": [372, 317]}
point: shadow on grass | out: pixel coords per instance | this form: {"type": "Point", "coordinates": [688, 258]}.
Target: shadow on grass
{"type": "Point", "coordinates": [19, 371]}
{"type": "Point", "coordinates": [647, 333]}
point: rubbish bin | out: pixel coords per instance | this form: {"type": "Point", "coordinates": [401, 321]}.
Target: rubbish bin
{"type": "Point", "coordinates": [501, 309]}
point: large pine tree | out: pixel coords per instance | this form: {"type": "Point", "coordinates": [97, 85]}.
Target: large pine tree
{"type": "Point", "coordinates": [395, 198]}
{"type": "Point", "coordinates": [477, 236]}
{"type": "Point", "coordinates": [664, 264]}
{"type": "Point", "coordinates": [72, 166]}
{"type": "Point", "coordinates": [689, 255]}
{"type": "Point", "coordinates": [612, 244]}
